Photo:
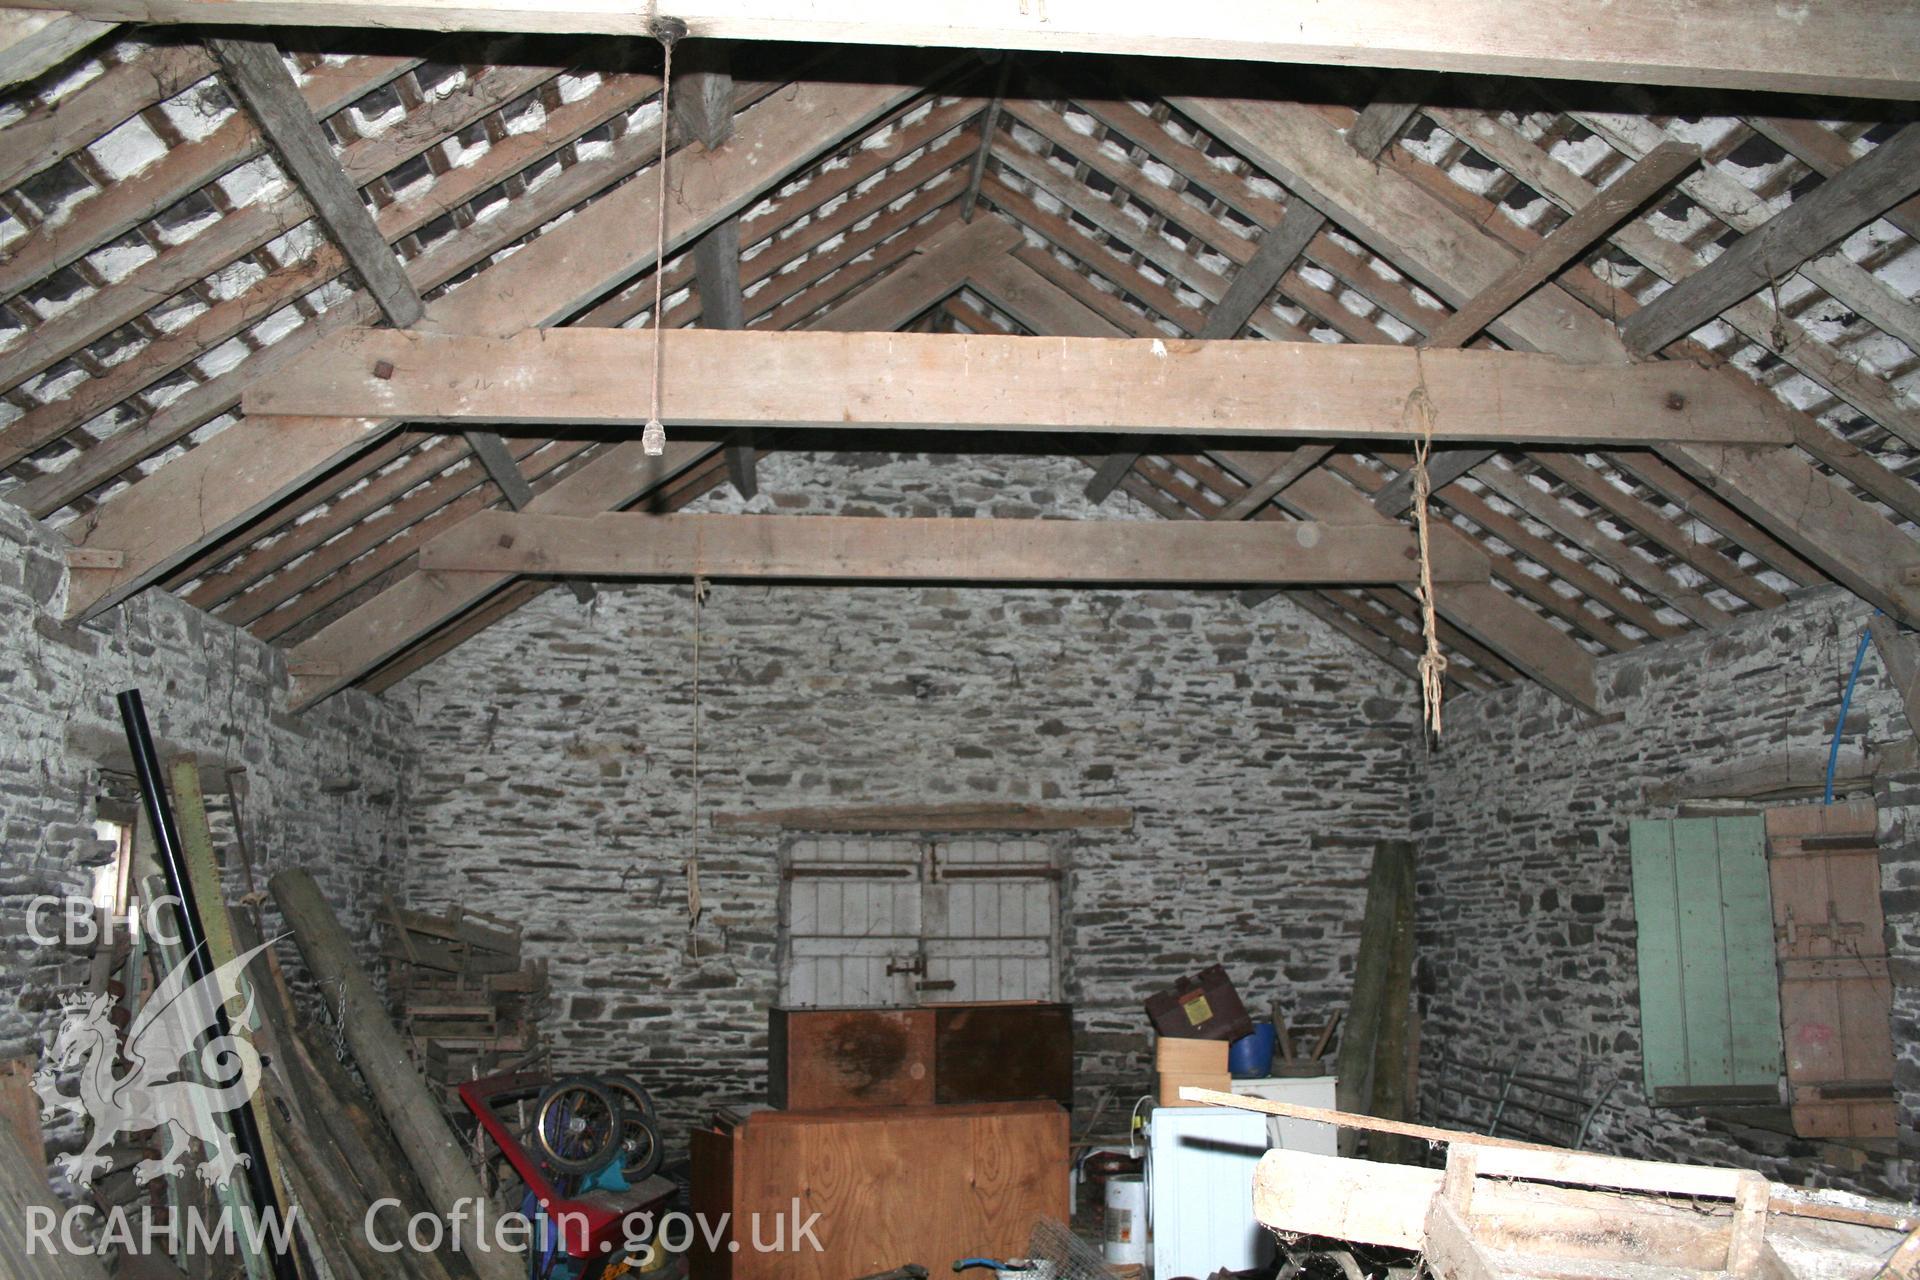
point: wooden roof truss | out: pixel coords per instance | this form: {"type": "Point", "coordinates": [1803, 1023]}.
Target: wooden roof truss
{"type": "Point", "coordinates": [158, 256]}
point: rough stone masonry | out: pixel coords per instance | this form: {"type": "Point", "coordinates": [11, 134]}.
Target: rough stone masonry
{"type": "Point", "coordinates": [325, 789]}
{"type": "Point", "coordinates": [1525, 919]}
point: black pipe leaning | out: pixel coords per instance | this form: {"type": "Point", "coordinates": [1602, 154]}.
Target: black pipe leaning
{"type": "Point", "coordinates": [193, 937]}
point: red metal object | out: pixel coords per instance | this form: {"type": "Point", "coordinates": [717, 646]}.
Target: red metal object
{"type": "Point", "coordinates": [594, 1227]}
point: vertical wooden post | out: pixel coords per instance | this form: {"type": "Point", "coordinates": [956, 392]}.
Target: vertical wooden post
{"type": "Point", "coordinates": [1389, 883]}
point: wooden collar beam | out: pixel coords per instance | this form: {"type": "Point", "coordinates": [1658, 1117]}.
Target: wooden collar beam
{"type": "Point", "coordinates": [760, 379]}
{"type": "Point", "coordinates": [834, 548]}
{"type": "Point", "coordinates": [1865, 48]}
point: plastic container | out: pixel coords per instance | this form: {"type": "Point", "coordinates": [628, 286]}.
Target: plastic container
{"type": "Point", "coordinates": [1124, 1240]}
{"type": "Point", "coordinates": [1252, 1055]}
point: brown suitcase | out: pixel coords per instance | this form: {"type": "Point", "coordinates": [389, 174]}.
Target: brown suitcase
{"type": "Point", "coordinates": [1203, 1007]}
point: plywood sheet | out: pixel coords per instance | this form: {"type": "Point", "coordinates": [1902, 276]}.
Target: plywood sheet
{"type": "Point", "coordinates": [924, 1185]}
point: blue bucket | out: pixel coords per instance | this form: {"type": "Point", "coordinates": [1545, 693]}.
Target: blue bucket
{"type": "Point", "coordinates": [1251, 1056]}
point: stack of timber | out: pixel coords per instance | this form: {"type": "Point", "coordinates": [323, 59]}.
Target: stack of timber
{"type": "Point", "coordinates": [1504, 1209]}
{"type": "Point", "coordinates": [462, 995]}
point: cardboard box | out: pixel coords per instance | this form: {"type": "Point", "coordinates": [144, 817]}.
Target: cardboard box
{"type": "Point", "coordinates": [1199, 1063]}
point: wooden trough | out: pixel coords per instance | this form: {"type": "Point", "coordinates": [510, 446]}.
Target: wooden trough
{"type": "Point", "coordinates": [1502, 1210]}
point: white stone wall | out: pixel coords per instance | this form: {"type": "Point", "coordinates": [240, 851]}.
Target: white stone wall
{"type": "Point", "coordinates": [1263, 754]}
{"type": "Point", "coordinates": [1526, 925]}
{"type": "Point", "coordinates": [325, 789]}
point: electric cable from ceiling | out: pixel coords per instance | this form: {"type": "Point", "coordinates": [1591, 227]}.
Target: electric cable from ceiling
{"type": "Point", "coordinates": [668, 31]}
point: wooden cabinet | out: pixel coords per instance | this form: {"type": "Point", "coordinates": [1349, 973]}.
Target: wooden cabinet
{"type": "Point", "coordinates": [926, 1185]}
{"type": "Point", "coordinates": [1011, 1051]}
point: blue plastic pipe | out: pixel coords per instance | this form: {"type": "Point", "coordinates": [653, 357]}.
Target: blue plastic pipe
{"type": "Point", "coordinates": [1846, 702]}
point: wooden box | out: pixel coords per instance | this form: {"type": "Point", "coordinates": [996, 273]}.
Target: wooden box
{"type": "Point", "coordinates": [925, 1185]}
{"type": "Point", "coordinates": [1200, 1063]}
{"type": "Point", "coordinates": [1011, 1051]}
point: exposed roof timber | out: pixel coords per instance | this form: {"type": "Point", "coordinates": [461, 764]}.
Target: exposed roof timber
{"type": "Point", "coordinates": [1534, 503]}
{"type": "Point", "coordinates": [1279, 249]}
{"type": "Point", "coordinates": [1483, 611]}
{"type": "Point", "coordinates": [567, 267]}
{"type": "Point", "coordinates": [1649, 176]}
{"type": "Point", "coordinates": [1005, 286]}
{"type": "Point", "coordinates": [1867, 49]}
{"type": "Point", "coordinates": [419, 605]}
{"type": "Point", "coordinates": [446, 258]}
{"type": "Point", "coordinates": [1756, 319]}
{"type": "Point", "coordinates": [1813, 223]}
{"type": "Point", "coordinates": [1433, 242]}
{"type": "Point", "coordinates": [850, 381]}
{"type": "Point", "coordinates": [1730, 201]}
{"type": "Point", "coordinates": [372, 555]}
{"type": "Point", "coordinates": [51, 132]}
{"type": "Point", "coordinates": [34, 40]}
{"type": "Point", "coordinates": [267, 90]}
{"type": "Point", "coordinates": [942, 549]}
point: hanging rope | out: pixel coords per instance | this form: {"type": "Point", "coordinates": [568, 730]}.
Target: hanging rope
{"type": "Point", "coordinates": [1433, 663]}
{"type": "Point", "coordinates": [700, 588]}
{"type": "Point", "coordinates": [653, 438]}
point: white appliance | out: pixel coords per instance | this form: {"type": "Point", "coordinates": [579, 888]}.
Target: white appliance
{"type": "Point", "coordinates": [1200, 1163]}
{"type": "Point", "coordinates": [1302, 1091]}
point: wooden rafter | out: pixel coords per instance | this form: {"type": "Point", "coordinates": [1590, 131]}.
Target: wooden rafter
{"type": "Point", "coordinates": [1257, 278]}
{"type": "Point", "coordinates": [1405, 308]}
{"type": "Point", "coordinates": [447, 257]}
{"type": "Point", "coordinates": [567, 268]}
{"type": "Point", "coordinates": [1481, 610]}
{"type": "Point", "coordinates": [1809, 226]}
{"type": "Point", "coordinates": [418, 605]}
{"type": "Point", "coordinates": [1432, 242]}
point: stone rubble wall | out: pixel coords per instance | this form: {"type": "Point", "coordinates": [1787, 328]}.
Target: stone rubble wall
{"type": "Point", "coordinates": [1263, 755]}
{"type": "Point", "coordinates": [326, 789]}
{"type": "Point", "coordinates": [1526, 922]}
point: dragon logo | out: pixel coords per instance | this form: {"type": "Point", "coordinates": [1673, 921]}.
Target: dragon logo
{"type": "Point", "coordinates": [150, 1094]}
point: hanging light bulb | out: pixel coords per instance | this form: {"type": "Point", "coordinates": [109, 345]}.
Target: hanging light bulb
{"type": "Point", "coordinates": [669, 32]}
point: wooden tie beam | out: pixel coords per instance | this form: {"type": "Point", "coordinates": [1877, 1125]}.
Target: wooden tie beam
{"type": "Point", "coordinates": [942, 549]}
{"type": "Point", "coordinates": [1000, 382]}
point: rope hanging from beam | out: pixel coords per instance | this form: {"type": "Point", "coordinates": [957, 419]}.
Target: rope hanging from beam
{"type": "Point", "coordinates": [1433, 663]}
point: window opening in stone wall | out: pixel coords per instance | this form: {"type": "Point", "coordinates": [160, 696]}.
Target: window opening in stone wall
{"type": "Point", "coordinates": [111, 877]}
{"type": "Point", "coordinates": [871, 921]}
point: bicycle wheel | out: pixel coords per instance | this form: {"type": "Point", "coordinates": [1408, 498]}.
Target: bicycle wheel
{"type": "Point", "coordinates": [576, 1126]}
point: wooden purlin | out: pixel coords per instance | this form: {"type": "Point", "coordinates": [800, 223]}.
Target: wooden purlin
{"type": "Point", "coordinates": [813, 121]}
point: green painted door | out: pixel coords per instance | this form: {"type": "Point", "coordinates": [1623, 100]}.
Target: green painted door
{"type": "Point", "coordinates": [1709, 987]}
